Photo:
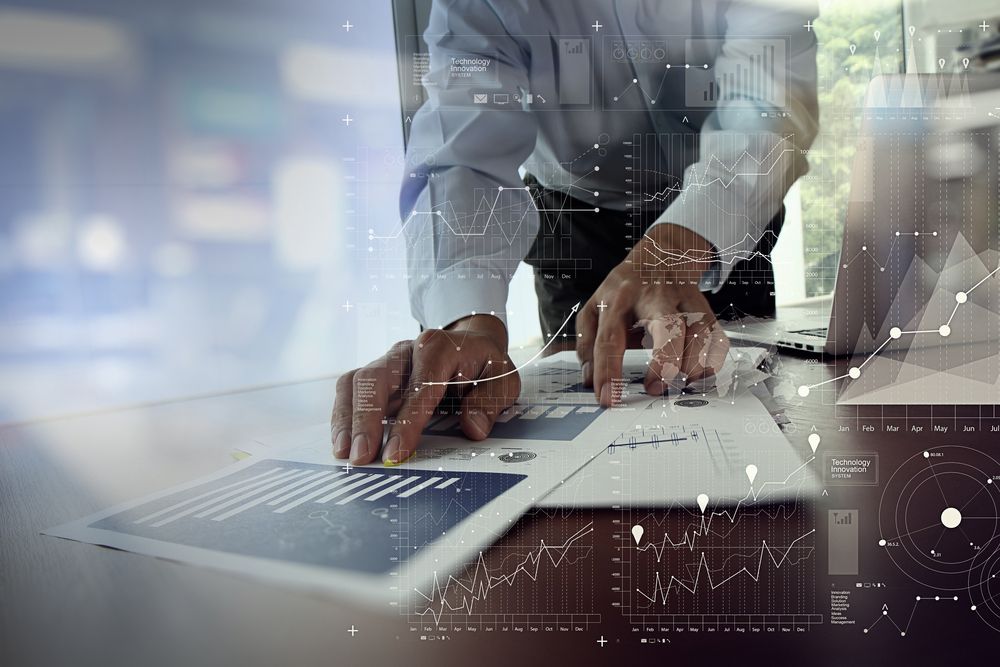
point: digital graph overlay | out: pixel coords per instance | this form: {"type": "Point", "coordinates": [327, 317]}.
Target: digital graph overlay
{"type": "Point", "coordinates": [903, 622]}
{"type": "Point", "coordinates": [458, 380]}
{"type": "Point", "coordinates": [943, 332]}
{"type": "Point", "coordinates": [713, 188]}
{"type": "Point", "coordinates": [542, 579]}
{"type": "Point", "coordinates": [754, 74]}
{"type": "Point", "coordinates": [940, 514]}
{"type": "Point", "coordinates": [489, 221]}
{"type": "Point", "coordinates": [721, 562]}
{"type": "Point", "coordinates": [659, 64]}
{"type": "Point", "coordinates": [924, 312]}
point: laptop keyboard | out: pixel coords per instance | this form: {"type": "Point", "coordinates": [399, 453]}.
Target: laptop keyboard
{"type": "Point", "coordinates": [819, 332]}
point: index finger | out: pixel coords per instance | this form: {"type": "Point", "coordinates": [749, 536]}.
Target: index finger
{"type": "Point", "coordinates": [586, 332]}
{"type": "Point", "coordinates": [668, 332]}
{"type": "Point", "coordinates": [428, 385]}
{"type": "Point", "coordinates": [609, 349]}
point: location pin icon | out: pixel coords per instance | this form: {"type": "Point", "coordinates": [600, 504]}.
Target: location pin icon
{"type": "Point", "coordinates": [941, 62]}
{"type": "Point", "coordinates": [878, 33]}
{"type": "Point", "coordinates": [637, 533]}
{"type": "Point", "coordinates": [911, 30]}
{"type": "Point", "coordinates": [751, 473]}
{"type": "Point", "coordinates": [853, 47]}
{"type": "Point", "coordinates": [702, 502]}
{"type": "Point", "coordinates": [965, 63]}
{"type": "Point", "coordinates": [814, 441]}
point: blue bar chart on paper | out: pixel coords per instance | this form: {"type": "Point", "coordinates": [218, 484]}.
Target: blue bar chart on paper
{"type": "Point", "coordinates": [331, 516]}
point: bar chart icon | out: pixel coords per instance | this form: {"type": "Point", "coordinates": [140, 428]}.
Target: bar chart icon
{"type": "Point", "coordinates": [752, 72]}
{"type": "Point", "coordinates": [575, 71]}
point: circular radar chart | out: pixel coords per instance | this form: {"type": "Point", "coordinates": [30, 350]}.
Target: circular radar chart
{"type": "Point", "coordinates": [984, 584]}
{"type": "Point", "coordinates": [939, 516]}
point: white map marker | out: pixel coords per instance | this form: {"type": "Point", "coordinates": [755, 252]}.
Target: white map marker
{"type": "Point", "coordinates": [702, 502]}
{"type": "Point", "coordinates": [814, 441]}
{"type": "Point", "coordinates": [751, 473]}
{"type": "Point", "coordinates": [637, 533]}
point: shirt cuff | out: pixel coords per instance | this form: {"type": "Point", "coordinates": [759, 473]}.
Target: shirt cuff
{"type": "Point", "coordinates": [451, 297]}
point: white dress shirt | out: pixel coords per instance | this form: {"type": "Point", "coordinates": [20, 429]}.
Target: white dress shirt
{"type": "Point", "coordinates": [561, 88]}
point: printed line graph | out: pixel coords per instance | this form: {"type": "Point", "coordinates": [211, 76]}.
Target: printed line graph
{"type": "Point", "coordinates": [460, 598]}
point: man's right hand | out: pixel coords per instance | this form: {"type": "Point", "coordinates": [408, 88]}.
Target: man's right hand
{"type": "Point", "coordinates": [466, 361]}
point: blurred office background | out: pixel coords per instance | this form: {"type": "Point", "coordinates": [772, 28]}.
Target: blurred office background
{"type": "Point", "coordinates": [186, 188]}
{"type": "Point", "coordinates": [176, 181]}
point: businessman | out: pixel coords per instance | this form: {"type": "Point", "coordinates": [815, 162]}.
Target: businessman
{"type": "Point", "coordinates": [635, 152]}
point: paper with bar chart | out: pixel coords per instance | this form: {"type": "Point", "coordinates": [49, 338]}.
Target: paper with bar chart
{"type": "Point", "coordinates": [294, 514]}
{"type": "Point", "coordinates": [326, 526]}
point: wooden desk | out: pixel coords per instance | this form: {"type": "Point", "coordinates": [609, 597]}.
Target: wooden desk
{"type": "Point", "coordinates": [70, 603]}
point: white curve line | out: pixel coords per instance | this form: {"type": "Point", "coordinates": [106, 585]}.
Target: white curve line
{"type": "Point", "coordinates": [553, 337]}
{"type": "Point", "coordinates": [905, 333]}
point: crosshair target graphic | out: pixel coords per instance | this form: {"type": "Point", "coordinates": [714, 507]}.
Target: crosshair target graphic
{"type": "Point", "coordinates": [984, 584]}
{"type": "Point", "coordinates": [940, 513]}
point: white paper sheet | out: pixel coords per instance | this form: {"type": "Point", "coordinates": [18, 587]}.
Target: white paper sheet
{"type": "Point", "coordinates": [293, 514]}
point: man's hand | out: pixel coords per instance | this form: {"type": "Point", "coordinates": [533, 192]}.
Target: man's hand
{"type": "Point", "coordinates": [411, 380]}
{"type": "Point", "coordinates": [688, 343]}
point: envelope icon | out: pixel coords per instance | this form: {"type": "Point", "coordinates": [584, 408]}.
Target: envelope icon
{"type": "Point", "coordinates": [480, 98]}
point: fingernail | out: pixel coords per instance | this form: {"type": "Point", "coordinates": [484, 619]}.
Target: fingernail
{"type": "Point", "coordinates": [405, 456]}
{"type": "Point", "coordinates": [481, 422]}
{"type": "Point", "coordinates": [341, 444]}
{"type": "Point", "coordinates": [391, 450]}
{"type": "Point", "coordinates": [359, 448]}
{"type": "Point", "coordinates": [606, 394]}
{"type": "Point", "coordinates": [588, 370]}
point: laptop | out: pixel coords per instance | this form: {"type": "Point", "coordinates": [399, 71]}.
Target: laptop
{"type": "Point", "coordinates": [894, 220]}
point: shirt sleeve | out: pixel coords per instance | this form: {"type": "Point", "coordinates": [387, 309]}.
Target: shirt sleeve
{"type": "Point", "coordinates": [466, 216]}
{"type": "Point", "coordinates": [750, 149]}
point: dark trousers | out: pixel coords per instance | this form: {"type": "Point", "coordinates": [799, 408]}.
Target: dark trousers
{"type": "Point", "coordinates": [575, 251]}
